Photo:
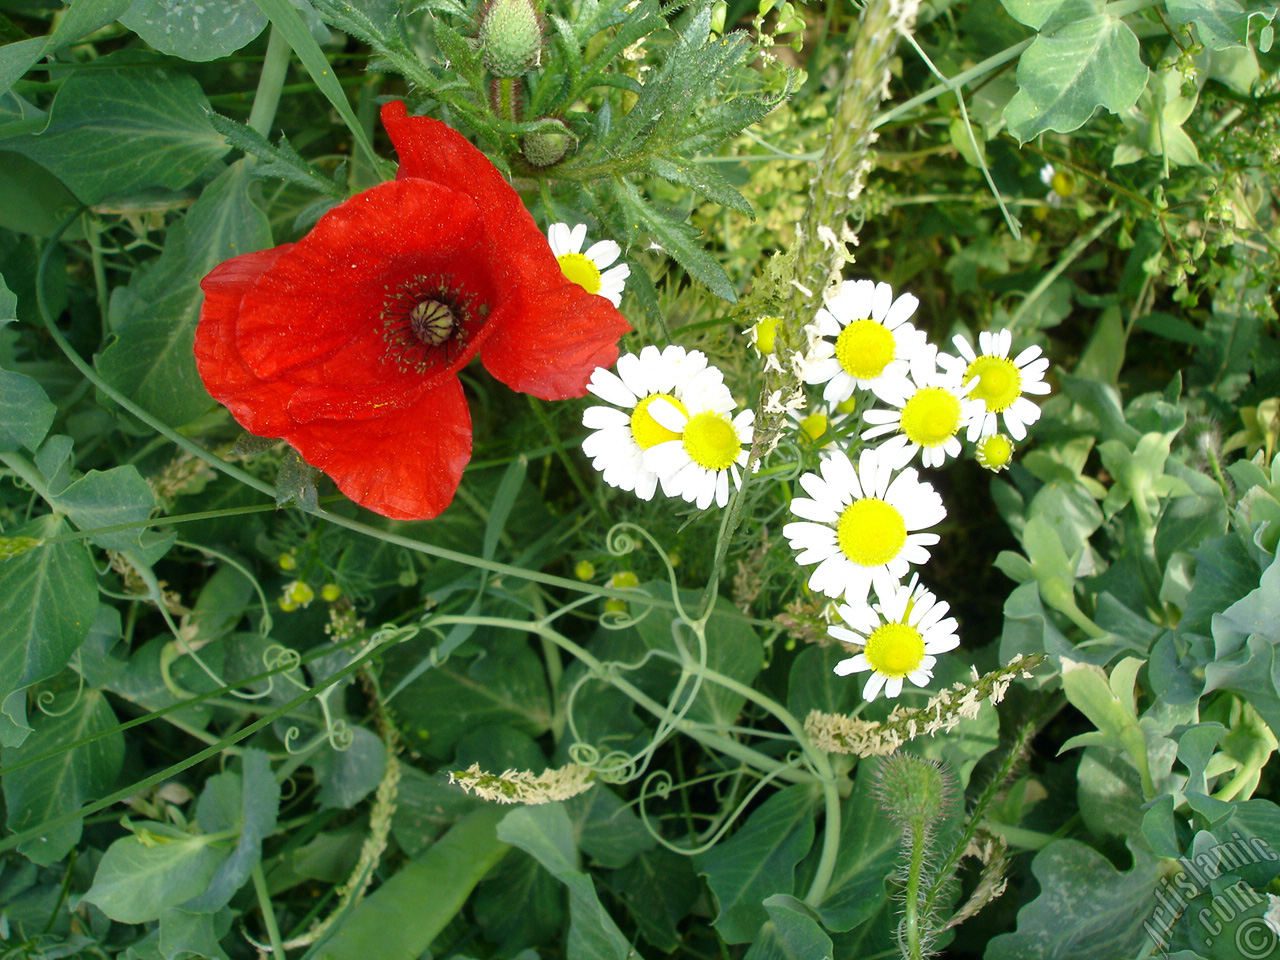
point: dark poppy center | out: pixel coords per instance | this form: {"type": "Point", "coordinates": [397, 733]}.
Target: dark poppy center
{"type": "Point", "coordinates": [428, 323]}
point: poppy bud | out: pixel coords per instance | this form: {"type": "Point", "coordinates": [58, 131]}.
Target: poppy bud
{"type": "Point", "coordinates": [510, 37]}
{"type": "Point", "coordinates": [542, 148]}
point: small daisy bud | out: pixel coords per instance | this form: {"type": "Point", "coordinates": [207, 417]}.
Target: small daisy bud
{"type": "Point", "coordinates": [995, 452]}
{"type": "Point", "coordinates": [615, 606]}
{"type": "Point", "coordinates": [510, 37]}
{"type": "Point", "coordinates": [287, 561]}
{"type": "Point", "coordinates": [542, 148]}
{"type": "Point", "coordinates": [287, 605]}
{"type": "Point", "coordinates": [584, 570]}
{"type": "Point", "coordinates": [765, 334]}
{"type": "Point", "coordinates": [330, 592]}
{"type": "Point", "coordinates": [624, 580]}
{"type": "Point", "coordinates": [299, 593]}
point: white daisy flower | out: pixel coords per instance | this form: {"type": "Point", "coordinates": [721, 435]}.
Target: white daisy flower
{"type": "Point", "coordinates": [899, 637]}
{"type": "Point", "coordinates": [873, 342]}
{"type": "Point", "coordinates": [587, 270]}
{"type": "Point", "coordinates": [927, 415]}
{"type": "Point", "coordinates": [1000, 382]}
{"type": "Point", "coordinates": [859, 528]}
{"type": "Point", "coordinates": [699, 463]}
{"type": "Point", "coordinates": [620, 437]}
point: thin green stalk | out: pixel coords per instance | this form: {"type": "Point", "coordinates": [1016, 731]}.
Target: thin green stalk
{"type": "Point", "coordinates": [831, 825]}
{"type": "Point", "coordinates": [275, 67]}
{"type": "Point", "coordinates": [911, 920]}
{"type": "Point", "coordinates": [268, 913]}
{"type": "Point", "coordinates": [1068, 257]}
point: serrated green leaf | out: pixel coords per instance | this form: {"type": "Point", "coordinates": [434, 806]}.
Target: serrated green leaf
{"type": "Point", "coordinates": [115, 132]}
{"type": "Point", "coordinates": [703, 179]}
{"type": "Point", "coordinates": [278, 160]}
{"type": "Point", "coordinates": [194, 30]}
{"type": "Point", "coordinates": [677, 239]}
{"type": "Point", "coordinates": [1066, 74]}
{"type": "Point", "coordinates": [65, 781]}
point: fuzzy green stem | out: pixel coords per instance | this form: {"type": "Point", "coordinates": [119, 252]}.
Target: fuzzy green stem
{"type": "Point", "coordinates": [911, 919]}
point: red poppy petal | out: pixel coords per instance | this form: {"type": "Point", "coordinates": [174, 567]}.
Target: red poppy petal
{"type": "Point", "coordinates": [405, 465]}
{"type": "Point", "coordinates": [258, 406]}
{"type": "Point", "coordinates": [316, 316]}
{"type": "Point", "coordinates": [551, 348]}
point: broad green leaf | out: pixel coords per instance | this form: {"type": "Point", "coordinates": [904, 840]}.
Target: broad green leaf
{"type": "Point", "coordinates": [519, 879]}
{"type": "Point", "coordinates": [869, 845]}
{"type": "Point", "coordinates": [17, 58]}
{"type": "Point", "coordinates": [791, 933]}
{"type": "Point", "coordinates": [151, 357]}
{"type": "Point", "coordinates": [255, 801]}
{"type": "Point", "coordinates": [1105, 924]}
{"type": "Point", "coordinates": [138, 880]}
{"type": "Point", "coordinates": [25, 411]}
{"type": "Point", "coordinates": [33, 200]}
{"type": "Point", "coordinates": [608, 831]}
{"type": "Point", "coordinates": [193, 30]}
{"type": "Point", "coordinates": [1068, 72]}
{"type": "Point", "coordinates": [1259, 610]}
{"type": "Point", "coordinates": [659, 888]}
{"type": "Point", "coordinates": [546, 833]}
{"type": "Point", "coordinates": [104, 498]}
{"type": "Point", "coordinates": [1224, 574]}
{"type": "Point", "coordinates": [349, 775]}
{"type": "Point", "coordinates": [426, 806]}
{"type": "Point", "coordinates": [67, 780]}
{"type": "Point", "coordinates": [814, 685]}
{"type": "Point", "coordinates": [1223, 23]}
{"type": "Point", "coordinates": [430, 889]}
{"type": "Point", "coordinates": [1109, 793]}
{"type": "Point", "coordinates": [185, 933]}
{"type": "Point", "coordinates": [115, 132]}
{"type": "Point", "coordinates": [758, 861]}
{"type": "Point", "coordinates": [1048, 15]}
{"type": "Point", "coordinates": [51, 599]}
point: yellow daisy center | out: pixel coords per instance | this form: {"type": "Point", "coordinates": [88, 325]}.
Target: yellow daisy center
{"type": "Point", "coordinates": [814, 425]}
{"type": "Point", "coordinates": [871, 532]}
{"type": "Point", "coordinates": [931, 417]}
{"type": "Point", "coordinates": [895, 649]}
{"type": "Point", "coordinates": [647, 431]}
{"type": "Point", "coordinates": [995, 452]}
{"type": "Point", "coordinates": [1063, 183]}
{"type": "Point", "coordinates": [999, 383]}
{"type": "Point", "coordinates": [711, 440]}
{"type": "Point", "coordinates": [579, 268]}
{"type": "Point", "coordinates": [864, 348]}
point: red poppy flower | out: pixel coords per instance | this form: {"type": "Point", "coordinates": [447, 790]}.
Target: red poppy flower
{"type": "Point", "coordinates": [347, 344]}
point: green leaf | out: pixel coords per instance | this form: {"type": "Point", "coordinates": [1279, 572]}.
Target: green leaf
{"type": "Point", "coordinates": [116, 132]}
{"type": "Point", "coordinates": [546, 833]}
{"type": "Point", "coordinates": [758, 861]}
{"type": "Point", "coordinates": [137, 881]}
{"type": "Point", "coordinates": [25, 411]}
{"type": "Point", "coordinates": [426, 806]}
{"type": "Point", "coordinates": [1070, 71]}
{"type": "Point", "coordinates": [17, 58]}
{"type": "Point", "coordinates": [678, 240]}
{"type": "Point", "coordinates": [104, 498]}
{"type": "Point", "coordinates": [257, 807]}
{"type": "Point", "coordinates": [72, 777]}
{"type": "Point", "coordinates": [348, 776]}
{"type": "Point", "coordinates": [1224, 574]}
{"type": "Point", "coordinates": [1223, 23]}
{"type": "Point", "coordinates": [659, 888]}
{"type": "Point", "coordinates": [187, 932]}
{"type": "Point", "coordinates": [430, 888]}
{"type": "Point", "coordinates": [1106, 924]}
{"type": "Point", "coordinates": [519, 879]}
{"type": "Point", "coordinates": [151, 358]}
{"type": "Point", "coordinates": [791, 933]}
{"type": "Point", "coordinates": [51, 599]}
{"type": "Point", "coordinates": [704, 179]}
{"type": "Point", "coordinates": [608, 831]}
{"type": "Point", "coordinates": [193, 30]}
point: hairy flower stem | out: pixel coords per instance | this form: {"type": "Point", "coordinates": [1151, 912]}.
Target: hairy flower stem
{"type": "Point", "coordinates": [911, 920]}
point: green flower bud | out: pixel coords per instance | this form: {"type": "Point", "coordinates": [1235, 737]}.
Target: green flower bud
{"type": "Point", "coordinates": [510, 37]}
{"type": "Point", "coordinates": [545, 147]}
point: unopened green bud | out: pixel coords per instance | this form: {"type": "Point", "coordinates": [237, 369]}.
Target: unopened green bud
{"type": "Point", "coordinates": [913, 791]}
{"type": "Point", "coordinates": [542, 148]}
{"type": "Point", "coordinates": [510, 37]}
